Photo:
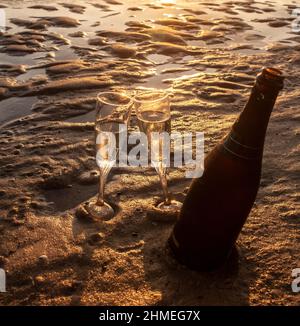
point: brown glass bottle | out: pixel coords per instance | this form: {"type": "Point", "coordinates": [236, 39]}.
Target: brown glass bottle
{"type": "Point", "coordinates": [218, 203]}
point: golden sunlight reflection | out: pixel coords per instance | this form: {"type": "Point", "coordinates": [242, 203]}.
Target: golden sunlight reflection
{"type": "Point", "coordinates": [167, 2]}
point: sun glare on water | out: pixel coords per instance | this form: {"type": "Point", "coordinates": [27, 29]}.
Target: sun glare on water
{"type": "Point", "coordinates": [167, 2]}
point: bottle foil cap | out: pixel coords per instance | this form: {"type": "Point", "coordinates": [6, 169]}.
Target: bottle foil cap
{"type": "Point", "coordinates": [270, 80]}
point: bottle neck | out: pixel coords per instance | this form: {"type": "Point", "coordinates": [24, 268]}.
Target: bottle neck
{"type": "Point", "coordinates": [247, 136]}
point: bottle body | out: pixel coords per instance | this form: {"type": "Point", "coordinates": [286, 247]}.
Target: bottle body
{"type": "Point", "coordinates": [208, 227]}
{"type": "Point", "coordinates": [218, 204]}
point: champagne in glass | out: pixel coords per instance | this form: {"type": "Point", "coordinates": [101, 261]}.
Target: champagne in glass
{"type": "Point", "coordinates": [154, 121]}
{"type": "Point", "coordinates": [113, 113]}
{"type": "Point", "coordinates": [154, 116]}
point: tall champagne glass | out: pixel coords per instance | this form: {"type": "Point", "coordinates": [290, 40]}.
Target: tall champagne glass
{"type": "Point", "coordinates": [154, 117]}
{"type": "Point", "coordinates": [112, 116]}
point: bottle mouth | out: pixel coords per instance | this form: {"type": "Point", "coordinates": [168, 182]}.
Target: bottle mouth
{"type": "Point", "coordinates": [273, 74]}
{"type": "Point", "coordinates": [270, 80]}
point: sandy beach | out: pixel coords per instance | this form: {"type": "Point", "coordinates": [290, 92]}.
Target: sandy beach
{"type": "Point", "coordinates": [54, 59]}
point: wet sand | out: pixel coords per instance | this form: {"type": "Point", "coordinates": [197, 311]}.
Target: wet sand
{"type": "Point", "coordinates": [54, 59]}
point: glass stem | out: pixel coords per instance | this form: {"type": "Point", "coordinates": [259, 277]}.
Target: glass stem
{"type": "Point", "coordinates": [164, 184]}
{"type": "Point", "coordinates": [102, 182]}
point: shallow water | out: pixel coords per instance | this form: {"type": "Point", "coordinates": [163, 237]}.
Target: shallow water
{"type": "Point", "coordinates": [14, 108]}
{"type": "Point", "coordinates": [114, 18]}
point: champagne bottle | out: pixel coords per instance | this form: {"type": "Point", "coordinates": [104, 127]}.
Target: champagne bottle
{"type": "Point", "coordinates": [218, 203]}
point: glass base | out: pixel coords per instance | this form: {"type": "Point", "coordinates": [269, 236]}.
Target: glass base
{"type": "Point", "coordinates": [174, 206]}
{"type": "Point", "coordinates": [103, 212]}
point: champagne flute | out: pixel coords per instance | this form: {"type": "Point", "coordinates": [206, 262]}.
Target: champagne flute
{"type": "Point", "coordinates": [112, 115]}
{"type": "Point", "coordinates": [154, 117]}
